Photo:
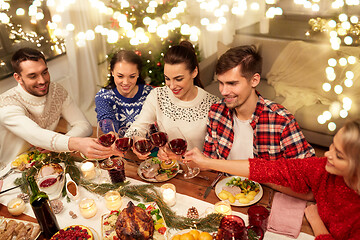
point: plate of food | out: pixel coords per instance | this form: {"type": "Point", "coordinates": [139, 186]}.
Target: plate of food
{"type": "Point", "coordinates": [239, 191]}
{"type": "Point", "coordinates": [155, 170]}
{"type": "Point", "coordinates": [147, 218]}
{"type": "Point", "coordinates": [80, 231]}
{"type": "Point", "coordinates": [196, 235]}
{"type": "Point", "coordinates": [16, 229]}
{"type": "Point", "coordinates": [27, 159]}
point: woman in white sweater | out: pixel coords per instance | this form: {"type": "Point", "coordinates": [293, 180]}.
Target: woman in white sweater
{"type": "Point", "coordinates": [182, 102]}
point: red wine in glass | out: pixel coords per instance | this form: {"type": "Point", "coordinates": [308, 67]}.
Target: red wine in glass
{"type": "Point", "coordinates": [178, 146]}
{"type": "Point", "coordinates": [143, 146]}
{"type": "Point", "coordinates": [232, 227]}
{"type": "Point", "coordinates": [123, 144]}
{"type": "Point", "coordinates": [159, 139]}
{"type": "Point", "coordinates": [107, 139]}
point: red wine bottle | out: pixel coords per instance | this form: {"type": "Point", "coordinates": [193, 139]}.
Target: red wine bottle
{"type": "Point", "coordinates": [44, 214]}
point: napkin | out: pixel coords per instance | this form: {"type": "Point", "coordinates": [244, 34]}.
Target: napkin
{"type": "Point", "coordinates": [286, 215]}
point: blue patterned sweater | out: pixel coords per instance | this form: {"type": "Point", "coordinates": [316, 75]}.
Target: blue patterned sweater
{"type": "Point", "coordinates": [123, 111]}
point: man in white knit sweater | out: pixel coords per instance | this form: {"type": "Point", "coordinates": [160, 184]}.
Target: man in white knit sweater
{"type": "Point", "coordinates": [30, 112]}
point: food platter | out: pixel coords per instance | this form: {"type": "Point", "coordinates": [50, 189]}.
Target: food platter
{"type": "Point", "coordinates": [34, 225]}
{"type": "Point", "coordinates": [221, 184]}
{"type": "Point", "coordinates": [153, 170]}
{"type": "Point", "coordinates": [108, 222]}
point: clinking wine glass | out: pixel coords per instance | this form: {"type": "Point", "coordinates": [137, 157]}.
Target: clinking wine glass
{"type": "Point", "coordinates": [106, 136]}
{"type": "Point", "coordinates": [178, 145]}
{"type": "Point", "coordinates": [158, 136]}
{"type": "Point", "coordinates": [142, 143]}
{"type": "Point", "coordinates": [123, 143]}
{"type": "Point", "coordinates": [106, 132]}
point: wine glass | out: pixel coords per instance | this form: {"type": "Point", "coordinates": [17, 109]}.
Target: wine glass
{"type": "Point", "coordinates": [178, 145]}
{"type": "Point", "coordinates": [158, 136]}
{"type": "Point", "coordinates": [231, 227]}
{"type": "Point", "coordinates": [106, 132]}
{"type": "Point", "coordinates": [142, 143]}
{"type": "Point", "coordinates": [106, 136]}
{"type": "Point", "coordinates": [123, 143]}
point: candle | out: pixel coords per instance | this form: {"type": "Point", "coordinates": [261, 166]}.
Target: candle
{"type": "Point", "coordinates": [16, 206]}
{"type": "Point", "coordinates": [88, 208]}
{"type": "Point", "coordinates": [88, 170]}
{"type": "Point", "coordinates": [222, 207]}
{"type": "Point", "coordinates": [113, 200]}
{"type": "Point", "coordinates": [168, 193]}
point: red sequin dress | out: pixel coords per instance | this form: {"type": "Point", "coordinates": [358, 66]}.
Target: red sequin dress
{"type": "Point", "coordinates": [338, 205]}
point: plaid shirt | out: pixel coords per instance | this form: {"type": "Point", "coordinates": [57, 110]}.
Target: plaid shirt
{"type": "Point", "coordinates": [276, 132]}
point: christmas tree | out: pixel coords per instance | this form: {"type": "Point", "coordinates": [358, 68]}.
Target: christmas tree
{"type": "Point", "coordinates": [149, 28]}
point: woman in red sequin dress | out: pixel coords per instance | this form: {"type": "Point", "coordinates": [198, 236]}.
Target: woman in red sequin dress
{"type": "Point", "coordinates": [334, 180]}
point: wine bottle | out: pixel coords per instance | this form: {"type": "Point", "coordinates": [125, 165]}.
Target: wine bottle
{"type": "Point", "coordinates": [44, 214]}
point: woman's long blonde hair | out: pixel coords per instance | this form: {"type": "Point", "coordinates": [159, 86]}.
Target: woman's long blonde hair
{"type": "Point", "coordinates": [351, 146]}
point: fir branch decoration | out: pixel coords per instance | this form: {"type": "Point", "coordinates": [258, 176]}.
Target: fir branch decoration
{"type": "Point", "coordinates": [143, 192]}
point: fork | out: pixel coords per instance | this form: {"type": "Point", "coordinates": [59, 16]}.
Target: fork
{"type": "Point", "coordinates": [11, 170]}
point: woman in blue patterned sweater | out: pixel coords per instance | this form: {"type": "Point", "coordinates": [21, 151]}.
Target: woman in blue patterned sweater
{"type": "Point", "coordinates": [122, 98]}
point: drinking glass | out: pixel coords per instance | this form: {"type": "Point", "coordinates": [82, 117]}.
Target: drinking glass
{"type": "Point", "coordinates": [106, 132]}
{"type": "Point", "coordinates": [178, 145]}
{"type": "Point", "coordinates": [123, 143]}
{"type": "Point", "coordinates": [142, 143]}
{"type": "Point", "coordinates": [231, 227]}
{"type": "Point", "coordinates": [158, 135]}
{"type": "Point", "coordinates": [106, 136]}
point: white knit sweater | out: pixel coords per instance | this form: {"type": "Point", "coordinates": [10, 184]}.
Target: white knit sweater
{"type": "Point", "coordinates": [27, 120]}
{"type": "Point", "coordinates": [189, 116]}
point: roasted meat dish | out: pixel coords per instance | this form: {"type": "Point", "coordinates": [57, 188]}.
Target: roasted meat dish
{"type": "Point", "coordinates": [134, 223]}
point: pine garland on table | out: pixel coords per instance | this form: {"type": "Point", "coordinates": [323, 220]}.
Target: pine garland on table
{"type": "Point", "coordinates": [143, 192]}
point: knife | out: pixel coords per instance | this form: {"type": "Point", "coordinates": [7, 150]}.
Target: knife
{"type": "Point", "coordinates": [207, 191]}
{"type": "Point", "coordinates": [4, 191]}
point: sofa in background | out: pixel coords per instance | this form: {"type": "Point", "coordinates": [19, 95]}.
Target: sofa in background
{"type": "Point", "coordinates": [307, 115]}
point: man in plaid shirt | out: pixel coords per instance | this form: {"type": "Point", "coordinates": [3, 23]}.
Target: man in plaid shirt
{"type": "Point", "coordinates": [244, 124]}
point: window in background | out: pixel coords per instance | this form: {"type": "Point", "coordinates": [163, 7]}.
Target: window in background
{"type": "Point", "coordinates": [25, 23]}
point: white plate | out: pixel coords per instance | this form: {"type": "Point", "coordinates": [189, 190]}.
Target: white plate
{"type": "Point", "coordinates": [219, 187]}
{"type": "Point", "coordinates": [18, 221]}
{"type": "Point", "coordinates": [154, 179]}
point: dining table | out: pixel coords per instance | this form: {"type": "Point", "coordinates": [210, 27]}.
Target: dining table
{"type": "Point", "coordinates": [189, 193]}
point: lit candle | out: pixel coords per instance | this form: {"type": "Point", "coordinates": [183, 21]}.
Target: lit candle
{"type": "Point", "coordinates": [113, 200]}
{"type": "Point", "coordinates": [222, 207]}
{"type": "Point", "coordinates": [88, 208]}
{"type": "Point", "coordinates": [16, 206]}
{"type": "Point", "coordinates": [88, 170]}
{"type": "Point", "coordinates": [168, 193]}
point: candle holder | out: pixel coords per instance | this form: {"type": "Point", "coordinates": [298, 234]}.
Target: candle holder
{"type": "Point", "coordinates": [88, 208]}
{"type": "Point", "coordinates": [258, 216]}
{"type": "Point", "coordinates": [168, 194]}
{"type": "Point", "coordinates": [88, 170]}
{"type": "Point", "coordinates": [223, 207]}
{"type": "Point", "coordinates": [16, 206]}
{"type": "Point", "coordinates": [113, 200]}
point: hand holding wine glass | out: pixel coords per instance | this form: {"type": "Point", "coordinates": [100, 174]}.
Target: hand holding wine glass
{"type": "Point", "coordinates": [142, 145]}
{"type": "Point", "coordinates": [106, 132]}
{"type": "Point", "coordinates": [178, 145]}
{"type": "Point", "coordinates": [123, 143]}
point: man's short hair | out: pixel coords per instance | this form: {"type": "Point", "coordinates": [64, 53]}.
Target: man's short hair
{"type": "Point", "coordinates": [246, 56]}
{"type": "Point", "coordinates": [25, 54]}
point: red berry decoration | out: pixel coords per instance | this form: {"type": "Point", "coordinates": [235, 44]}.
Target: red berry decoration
{"type": "Point", "coordinates": [158, 64]}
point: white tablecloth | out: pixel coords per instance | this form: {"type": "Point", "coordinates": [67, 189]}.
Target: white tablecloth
{"type": "Point", "coordinates": [183, 203]}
